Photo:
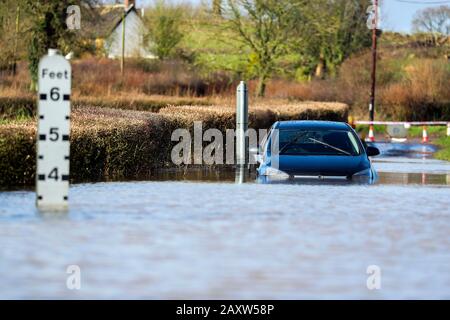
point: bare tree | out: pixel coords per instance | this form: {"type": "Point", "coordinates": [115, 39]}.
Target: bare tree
{"type": "Point", "coordinates": [217, 7]}
{"type": "Point", "coordinates": [433, 20]}
{"type": "Point", "coordinates": [266, 26]}
{"type": "Point", "coordinates": [331, 31]}
{"type": "Point", "coordinates": [48, 29]}
{"type": "Point", "coordinates": [164, 22]}
{"type": "Point", "coordinates": [12, 37]}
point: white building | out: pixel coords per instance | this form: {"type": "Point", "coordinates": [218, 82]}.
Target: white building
{"type": "Point", "coordinates": [105, 25]}
{"type": "Point", "coordinates": [134, 37]}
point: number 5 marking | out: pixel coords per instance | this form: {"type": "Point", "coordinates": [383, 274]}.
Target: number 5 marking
{"type": "Point", "coordinates": [54, 135]}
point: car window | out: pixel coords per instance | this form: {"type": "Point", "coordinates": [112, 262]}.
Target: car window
{"type": "Point", "coordinates": [354, 142]}
{"type": "Point", "coordinates": [318, 142]}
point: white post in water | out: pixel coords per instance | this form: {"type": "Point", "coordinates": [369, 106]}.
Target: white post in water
{"type": "Point", "coordinates": [241, 123]}
{"type": "Point", "coordinates": [52, 169]}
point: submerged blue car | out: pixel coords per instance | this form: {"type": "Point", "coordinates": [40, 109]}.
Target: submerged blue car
{"type": "Point", "coordinates": [315, 149]}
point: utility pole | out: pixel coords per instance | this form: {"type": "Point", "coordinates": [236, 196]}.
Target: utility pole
{"type": "Point", "coordinates": [14, 67]}
{"type": "Point", "coordinates": [122, 60]}
{"type": "Point", "coordinates": [374, 61]}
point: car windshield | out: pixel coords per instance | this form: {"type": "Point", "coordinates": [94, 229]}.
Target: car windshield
{"type": "Point", "coordinates": [318, 142]}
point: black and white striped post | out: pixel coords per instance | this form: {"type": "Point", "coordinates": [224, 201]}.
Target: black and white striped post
{"type": "Point", "coordinates": [241, 132]}
{"type": "Point", "coordinates": [53, 146]}
{"type": "Point", "coordinates": [241, 123]}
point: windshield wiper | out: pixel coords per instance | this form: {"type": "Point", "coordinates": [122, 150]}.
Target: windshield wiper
{"type": "Point", "coordinates": [329, 145]}
{"type": "Point", "coordinates": [297, 137]}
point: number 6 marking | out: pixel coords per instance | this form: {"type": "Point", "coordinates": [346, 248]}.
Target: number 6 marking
{"type": "Point", "coordinates": [54, 94]}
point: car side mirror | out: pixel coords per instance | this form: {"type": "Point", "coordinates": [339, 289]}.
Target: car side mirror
{"type": "Point", "coordinates": [372, 151]}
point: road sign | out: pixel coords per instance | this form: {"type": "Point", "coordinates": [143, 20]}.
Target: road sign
{"type": "Point", "coordinates": [398, 131]}
{"type": "Point", "coordinates": [52, 170]}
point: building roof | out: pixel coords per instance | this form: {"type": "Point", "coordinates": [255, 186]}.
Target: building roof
{"type": "Point", "coordinates": [100, 21]}
{"type": "Point", "coordinates": [311, 125]}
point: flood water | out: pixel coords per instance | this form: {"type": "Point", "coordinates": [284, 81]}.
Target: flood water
{"type": "Point", "coordinates": [202, 235]}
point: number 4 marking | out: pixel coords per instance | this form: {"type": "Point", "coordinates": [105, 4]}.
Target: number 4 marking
{"type": "Point", "coordinates": [53, 174]}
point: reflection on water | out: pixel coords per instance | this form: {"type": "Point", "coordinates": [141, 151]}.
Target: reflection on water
{"type": "Point", "coordinates": [402, 163]}
{"type": "Point", "coordinates": [398, 164]}
{"type": "Point", "coordinates": [220, 234]}
{"type": "Point", "coordinates": [244, 175]}
{"type": "Point", "coordinates": [414, 178]}
{"type": "Point", "coordinates": [322, 181]}
{"type": "Point", "coordinates": [410, 150]}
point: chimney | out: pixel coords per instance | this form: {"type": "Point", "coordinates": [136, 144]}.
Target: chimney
{"type": "Point", "coordinates": [128, 3]}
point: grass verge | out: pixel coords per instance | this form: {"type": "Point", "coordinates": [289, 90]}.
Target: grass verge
{"type": "Point", "coordinates": [413, 132]}
{"type": "Point", "coordinates": [444, 153]}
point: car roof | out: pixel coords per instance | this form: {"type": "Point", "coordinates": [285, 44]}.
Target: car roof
{"type": "Point", "coordinates": [311, 125]}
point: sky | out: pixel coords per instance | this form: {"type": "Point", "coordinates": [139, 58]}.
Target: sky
{"type": "Point", "coordinates": [397, 15]}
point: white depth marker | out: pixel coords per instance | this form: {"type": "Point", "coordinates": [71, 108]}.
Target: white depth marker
{"type": "Point", "coordinates": [52, 169]}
